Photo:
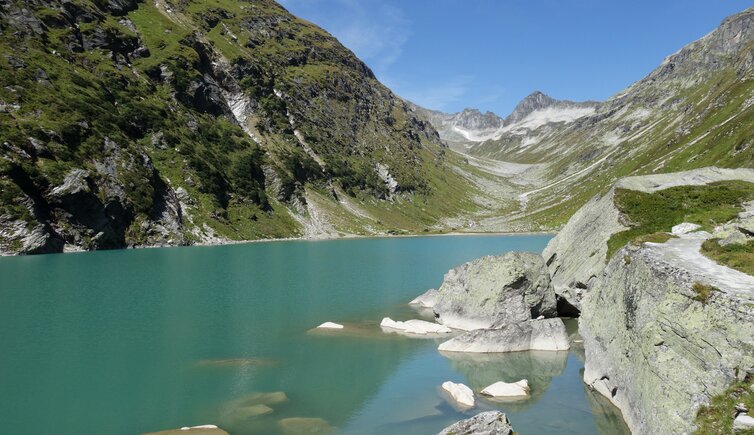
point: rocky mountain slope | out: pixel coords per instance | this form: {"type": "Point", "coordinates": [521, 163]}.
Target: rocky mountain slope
{"type": "Point", "coordinates": [666, 327]}
{"type": "Point", "coordinates": [133, 123]}
{"type": "Point", "coordinates": [693, 111]}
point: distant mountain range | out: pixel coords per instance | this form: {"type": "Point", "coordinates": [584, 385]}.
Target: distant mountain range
{"type": "Point", "coordinates": [143, 123]}
{"type": "Point", "coordinates": [468, 127]}
{"type": "Point", "coordinates": [694, 110]}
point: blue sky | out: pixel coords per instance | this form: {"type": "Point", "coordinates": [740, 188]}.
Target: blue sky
{"type": "Point", "coordinates": [489, 54]}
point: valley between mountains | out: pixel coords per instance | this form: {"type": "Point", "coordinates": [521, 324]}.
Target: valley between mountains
{"type": "Point", "coordinates": [129, 124]}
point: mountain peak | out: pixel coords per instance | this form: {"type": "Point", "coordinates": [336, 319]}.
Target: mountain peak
{"type": "Point", "coordinates": [534, 101]}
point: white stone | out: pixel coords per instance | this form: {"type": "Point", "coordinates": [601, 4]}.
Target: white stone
{"type": "Point", "coordinates": [204, 426]}
{"type": "Point", "coordinates": [684, 228]}
{"type": "Point", "coordinates": [460, 393]}
{"type": "Point", "coordinates": [330, 325]}
{"type": "Point", "coordinates": [507, 390]}
{"type": "Point", "coordinates": [743, 422]}
{"type": "Point", "coordinates": [415, 326]}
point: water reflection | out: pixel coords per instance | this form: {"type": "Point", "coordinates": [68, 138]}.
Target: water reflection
{"type": "Point", "coordinates": [538, 367]}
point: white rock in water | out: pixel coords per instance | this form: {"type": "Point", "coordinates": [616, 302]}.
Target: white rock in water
{"type": "Point", "coordinates": [426, 300]}
{"type": "Point", "coordinates": [504, 389]}
{"type": "Point", "coordinates": [204, 426]}
{"type": "Point", "coordinates": [684, 228]}
{"type": "Point", "coordinates": [330, 325]}
{"type": "Point", "coordinates": [415, 326]}
{"type": "Point", "coordinates": [460, 393]}
{"type": "Point", "coordinates": [743, 422]}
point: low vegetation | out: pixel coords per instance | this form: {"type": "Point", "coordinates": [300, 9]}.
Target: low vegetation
{"type": "Point", "coordinates": [703, 292]}
{"type": "Point", "coordinates": [650, 215]}
{"type": "Point", "coordinates": [717, 417]}
{"type": "Point", "coordinates": [739, 256]}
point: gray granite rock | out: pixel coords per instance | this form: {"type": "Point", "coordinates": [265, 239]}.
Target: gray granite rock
{"type": "Point", "coordinates": [484, 423]}
{"type": "Point", "coordinates": [505, 289]}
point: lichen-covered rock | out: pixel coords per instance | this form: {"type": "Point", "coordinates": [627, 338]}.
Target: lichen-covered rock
{"type": "Point", "coordinates": [656, 347]}
{"type": "Point", "coordinates": [506, 289]}
{"type": "Point", "coordinates": [484, 423]}
{"type": "Point", "coordinates": [577, 255]}
{"type": "Point", "coordinates": [545, 334]}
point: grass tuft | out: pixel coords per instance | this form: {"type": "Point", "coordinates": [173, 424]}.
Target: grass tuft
{"type": "Point", "coordinates": [703, 292]}
{"type": "Point", "coordinates": [717, 417]}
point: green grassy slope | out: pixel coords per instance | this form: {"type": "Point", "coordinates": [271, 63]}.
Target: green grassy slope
{"type": "Point", "coordinates": [141, 96]}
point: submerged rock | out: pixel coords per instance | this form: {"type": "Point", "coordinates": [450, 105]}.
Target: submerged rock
{"type": "Point", "coordinates": [509, 288]}
{"type": "Point", "coordinates": [547, 334]}
{"type": "Point", "coordinates": [414, 326]}
{"type": "Point", "coordinates": [485, 423]}
{"type": "Point", "coordinates": [305, 425]}
{"type": "Point", "coordinates": [206, 429]}
{"type": "Point", "coordinates": [460, 393]}
{"type": "Point", "coordinates": [503, 390]}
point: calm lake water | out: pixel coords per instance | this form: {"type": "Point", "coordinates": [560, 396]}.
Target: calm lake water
{"type": "Point", "coordinates": [126, 342]}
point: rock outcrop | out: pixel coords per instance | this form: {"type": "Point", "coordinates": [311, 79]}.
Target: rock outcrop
{"type": "Point", "coordinates": [578, 254]}
{"type": "Point", "coordinates": [484, 423]}
{"type": "Point", "coordinates": [545, 334]}
{"type": "Point", "coordinates": [664, 327]}
{"type": "Point", "coordinates": [655, 348]}
{"type": "Point", "coordinates": [510, 288]}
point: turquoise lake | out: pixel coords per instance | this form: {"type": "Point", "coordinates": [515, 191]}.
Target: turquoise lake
{"type": "Point", "coordinates": [127, 342]}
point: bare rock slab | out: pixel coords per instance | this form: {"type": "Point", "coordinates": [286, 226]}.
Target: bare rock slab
{"type": "Point", "coordinates": [546, 334]}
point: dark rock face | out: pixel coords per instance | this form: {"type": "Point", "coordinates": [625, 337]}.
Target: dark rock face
{"type": "Point", "coordinates": [534, 101]}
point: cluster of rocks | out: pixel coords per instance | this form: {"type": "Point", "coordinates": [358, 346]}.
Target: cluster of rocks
{"type": "Point", "coordinates": [505, 303]}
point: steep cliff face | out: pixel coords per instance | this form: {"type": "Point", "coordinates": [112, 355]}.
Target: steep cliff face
{"type": "Point", "coordinates": [129, 123]}
{"type": "Point", "coordinates": [657, 349]}
{"type": "Point", "coordinates": [665, 327]}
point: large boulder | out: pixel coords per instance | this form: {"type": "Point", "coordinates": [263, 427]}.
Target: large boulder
{"type": "Point", "coordinates": [545, 334]}
{"type": "Point", "coordinates": [484, 423]}
{"type": "Point", "coordinates": [509, 288]}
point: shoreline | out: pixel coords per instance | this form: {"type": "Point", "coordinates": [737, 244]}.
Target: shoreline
{"type": "Point", "coordinates": [69, 249]}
